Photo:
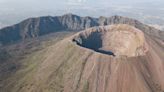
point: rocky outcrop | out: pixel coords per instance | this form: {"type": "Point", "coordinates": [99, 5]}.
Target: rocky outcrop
{"type": "Point", "coordinates": [35, 27]}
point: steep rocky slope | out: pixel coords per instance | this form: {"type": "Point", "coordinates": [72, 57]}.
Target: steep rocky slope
{"type": "Point", "coordinates": [79, 64]}
{"type": "Point", "coordinates": [34, 27]}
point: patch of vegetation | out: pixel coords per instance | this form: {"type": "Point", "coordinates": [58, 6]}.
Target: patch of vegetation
{"type": "Point", "coordinates": [21, 61]}
{"type": "Point", "coordinates": [4, 55]}
{"type": "Point", "coordinates": [86, 87]}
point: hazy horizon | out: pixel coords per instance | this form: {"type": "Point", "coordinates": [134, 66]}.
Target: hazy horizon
{"type": "Point", "coordinates": [14, 11]}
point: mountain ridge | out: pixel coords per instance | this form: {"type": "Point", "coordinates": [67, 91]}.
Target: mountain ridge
{"type": "Point", "coordinates": [67, 67]}
{"type": "Point", "coordinates": [34, 27]}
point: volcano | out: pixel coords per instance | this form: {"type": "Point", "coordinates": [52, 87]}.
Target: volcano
{"type": "Point", "coordinates": [114, 58]}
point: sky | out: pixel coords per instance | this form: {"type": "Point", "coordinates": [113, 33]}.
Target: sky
{"type": "Point", "coordinates": [12, 11]}
{"type": "Point", "coordinates": [49, 3]}
{"type": "Point", "coordinates": [38, 5]}
{"type": "Point", "coordinates": [22, 6]}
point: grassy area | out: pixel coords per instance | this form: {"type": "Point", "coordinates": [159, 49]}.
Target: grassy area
{"type": "Point", "coordinates": [25, 57]}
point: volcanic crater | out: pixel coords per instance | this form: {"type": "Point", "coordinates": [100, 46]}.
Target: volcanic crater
{"type": "Point", "coordinates": [115, 40]}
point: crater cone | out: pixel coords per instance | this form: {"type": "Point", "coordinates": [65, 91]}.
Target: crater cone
{"type": "Point", "coordinates": [116, 40]}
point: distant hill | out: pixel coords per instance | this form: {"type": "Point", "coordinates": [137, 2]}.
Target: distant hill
{"type": "Point", "coordinates": [34, 27]}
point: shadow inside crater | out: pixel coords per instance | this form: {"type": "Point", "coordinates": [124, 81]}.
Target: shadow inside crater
{"type": "Point", "coordinates": [93, 41]}
{"type": "Point", "coordinates": [106, 52]}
